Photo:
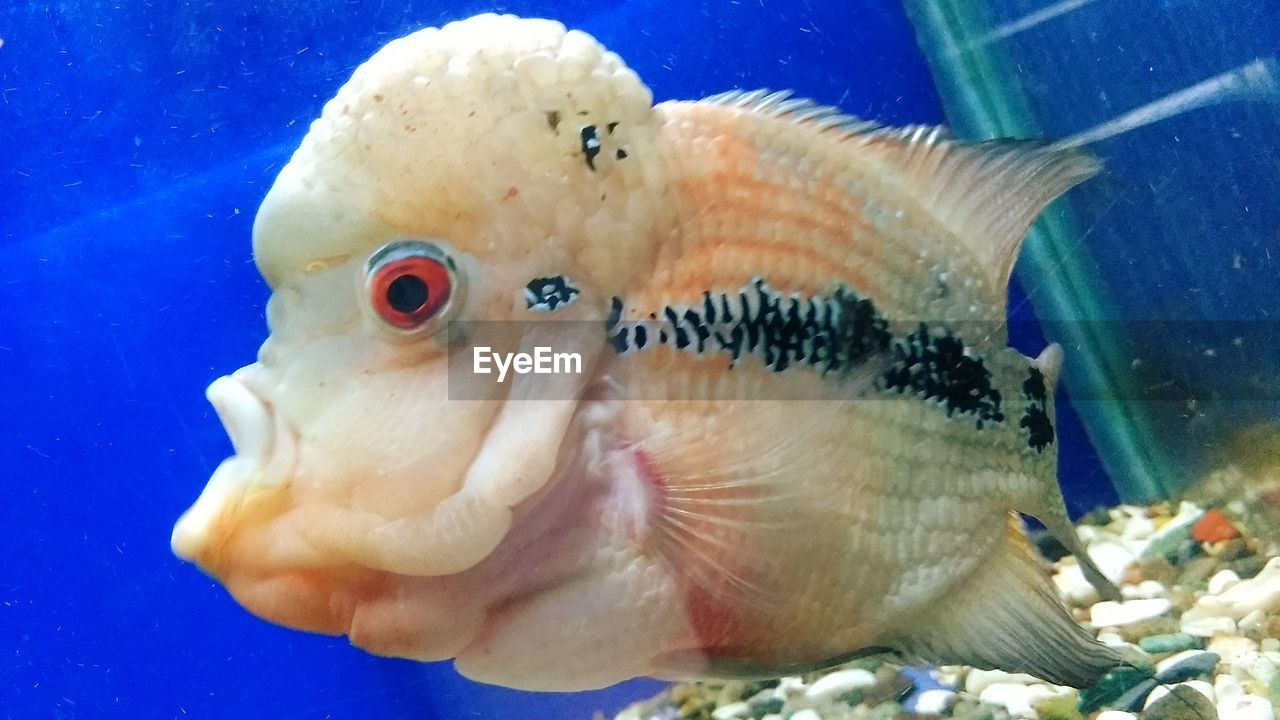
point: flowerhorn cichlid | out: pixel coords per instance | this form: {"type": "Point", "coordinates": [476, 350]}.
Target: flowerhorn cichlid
{"type": "Point", "coordinates": [787, 429]}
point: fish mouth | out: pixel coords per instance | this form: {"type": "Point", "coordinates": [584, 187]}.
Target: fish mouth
{"type": "Point", "coordinates": [266, 452]}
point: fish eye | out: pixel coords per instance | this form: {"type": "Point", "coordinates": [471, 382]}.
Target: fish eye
{"type": "Point", "coordinates": [409, 283]}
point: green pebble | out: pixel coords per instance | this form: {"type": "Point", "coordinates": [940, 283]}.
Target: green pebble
{"type": "Point", "coordinates": [766, 706]}
{"type": "Point", "coordinates": [1111, 686]}
{"type": "Point", "coordinates": [1100, 517]}
{"type": "Point", "coordinates": [1169, 542]}
{"type": "Point", "coordinates": [1171, 643]}
{"type": "Point", "coordinates": [1062, 707]}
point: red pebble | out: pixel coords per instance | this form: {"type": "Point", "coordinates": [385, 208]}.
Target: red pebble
{"type": "Point", "coordinates": [1214, 527]}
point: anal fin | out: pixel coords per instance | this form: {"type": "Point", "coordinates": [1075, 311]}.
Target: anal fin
{"type": "Point", "coordinates": [1006, 616]}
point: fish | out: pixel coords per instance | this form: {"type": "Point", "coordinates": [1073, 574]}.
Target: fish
{"type": "Point", "coordinates": [793, 434]}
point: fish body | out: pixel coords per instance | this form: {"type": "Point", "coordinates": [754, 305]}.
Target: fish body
{"type": "Point", "coordinates": [796, 435]}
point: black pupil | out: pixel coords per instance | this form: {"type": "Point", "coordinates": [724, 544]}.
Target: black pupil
{"type": "Point", "coordinates": [407, 293]}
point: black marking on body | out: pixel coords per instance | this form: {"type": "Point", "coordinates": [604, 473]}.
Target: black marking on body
{"type": "Point", "coordinates": [936, 366]}
{"type": "Point", "coordinates": [615, 314]}
{"type": "Point", "coordinates": [1036, 417]}
{"type": "Point", "coordinates": [620, 154]}
{"type": "Point", "coordinates": [553, 121]}
{"type": "Point", "coordinates": [1033, 387]}
{"type": "Point", "coordinates": [830, 333]}
{"type": "Point", "coordinates": [547, 294]}
{"type": "Point", "coordinates": [590, 145]}
{"type": "Point", "coordinates": [834, 333]}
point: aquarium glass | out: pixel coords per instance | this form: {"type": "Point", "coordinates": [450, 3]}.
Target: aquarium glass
{"type": "Point", "coordinates": [137, 140]}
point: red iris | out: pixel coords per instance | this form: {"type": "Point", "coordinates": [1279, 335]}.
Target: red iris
{"type": "Point", "coordinates": [409, 291]}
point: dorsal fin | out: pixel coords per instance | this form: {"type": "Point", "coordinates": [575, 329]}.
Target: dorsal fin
{"type": "Point", "coordinates": [987, 193]}
{"type": "Point", "coordinates": [781, 104]}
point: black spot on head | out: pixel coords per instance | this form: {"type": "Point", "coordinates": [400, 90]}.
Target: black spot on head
{"type": "Point", "coordinates": [610, 127]}
{"type": "Point", "coordinates": [620, 154]}
{"type": "Point", "coordinates": [590, 145]}
{"type": "Point", "coordinates": [549, 293]}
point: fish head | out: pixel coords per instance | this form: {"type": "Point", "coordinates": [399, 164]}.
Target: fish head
{"type": "Point", "coordinates": [456, 166]}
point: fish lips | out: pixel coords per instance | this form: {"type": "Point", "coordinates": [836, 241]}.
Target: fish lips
{"type": "Point", "coordinates": [266, 454]}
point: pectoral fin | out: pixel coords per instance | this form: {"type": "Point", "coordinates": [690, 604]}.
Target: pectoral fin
{"type": "Point", "coordinates": [1006, 616]}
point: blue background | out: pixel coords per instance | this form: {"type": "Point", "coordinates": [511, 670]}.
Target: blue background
{"type": "Point", "coordinates": [137, 141]}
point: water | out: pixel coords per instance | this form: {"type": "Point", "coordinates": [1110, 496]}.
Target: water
{"type": "Point", "coordinates": [139, 138]}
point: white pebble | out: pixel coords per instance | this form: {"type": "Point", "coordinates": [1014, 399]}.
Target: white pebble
{"type": "Point", "coordinates": [1207, 626]}
{"type": "Point", "coordinates": [1072, 585]}
{"type": "Point", "coordinates": [1176, 658]}
{"type": "Point", "coordinates": [1112, 558]}
{"type": "Point", "coordinates": [1044, 691]}
{"type": "Point", "coordinates": [935, 702]}
{"type": "Point", "coordinates": [1013, 697]}
{"type": "Point", "coordinates": [1200, 686]}
{"type": "Point", "coordinates": [1222, 580]}
{"type": "Point", "coordinates": [1246, 707]}
{"type": "Point", "coordinates": [1110, 638]}
{"type": "Point", "coordinates": [829, 687]}
{"type": "Point", "coordinates": [1226, 688]}
{"type": "Point", "coordinates": [1253, 621]}
{"type": "Point", "coordinates": [732, 711]}
{"type": "Point", "coordinates": [789, 687]}
{"type": "Point", "coordinates": [1260, 592]}
{"type": "Point", "coordinates": [977, 680]}
{"type": "Point", "coordinates": [1230, 648]}
{"type": "Point", "coordinates": [1114, 614]}
{"type": "Point", "coordinates": [1090, 534]}
{"type": "Point", "coordinates": [1270, 644]}
{"type": "Point", "coordinates": [1116, 715]}
{"type": "Point", "coordinates": [1138, 526]}
{"type": "Point", "coordinates": [1144, 590]}
{"type": "Point", "coordinates": [806, 714]}
{"type": "Point", "coordinates": [950, 675]}
{"type": "Point", "coordinates": [1260, 668]}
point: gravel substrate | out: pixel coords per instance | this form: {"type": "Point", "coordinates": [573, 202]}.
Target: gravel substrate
{"type": "Point", "coordinates": [1202, 599]}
